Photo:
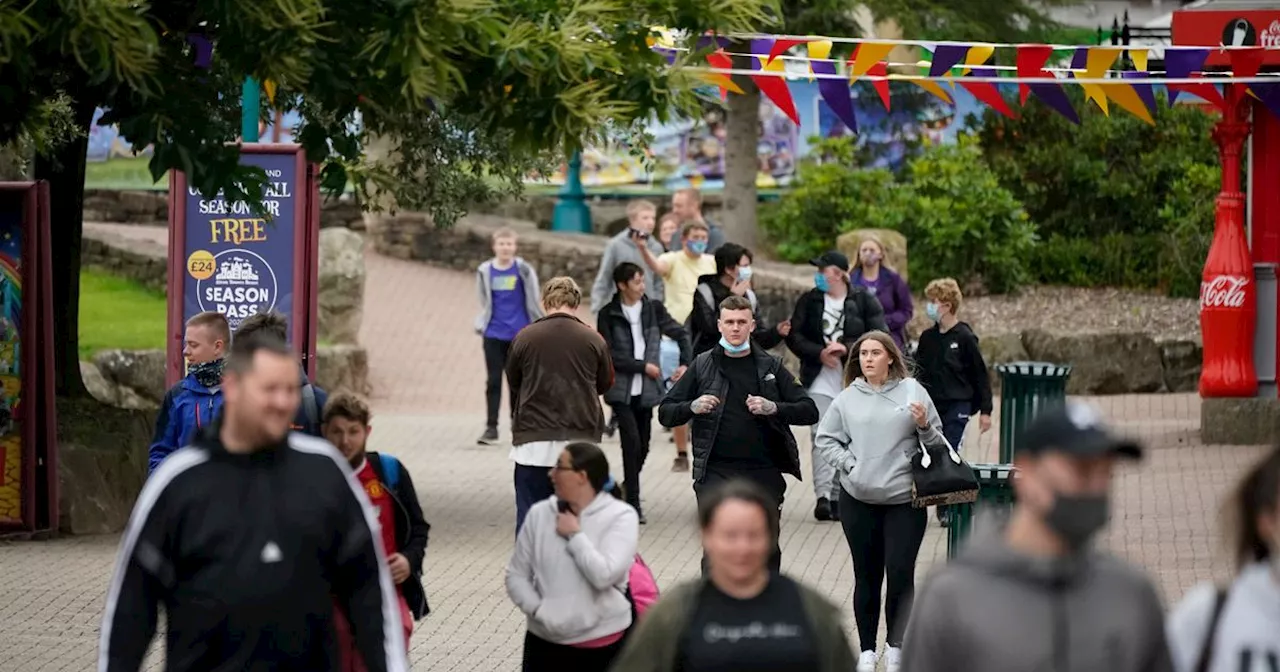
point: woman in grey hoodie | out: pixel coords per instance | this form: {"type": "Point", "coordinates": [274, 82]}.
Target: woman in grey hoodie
{"type": "Point", "coordinates": [1225, 629]}
{"type": "Point", "coordinates": [569, 571]}
{"type": "Point", "coordinates": [870, 433]}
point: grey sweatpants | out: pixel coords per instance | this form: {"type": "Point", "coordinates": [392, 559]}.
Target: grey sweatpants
{"type": "Point", "coordinates": [824, 473]}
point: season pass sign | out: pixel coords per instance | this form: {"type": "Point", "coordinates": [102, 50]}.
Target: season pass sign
{"type": "Point", "coordinates": [240, 263]}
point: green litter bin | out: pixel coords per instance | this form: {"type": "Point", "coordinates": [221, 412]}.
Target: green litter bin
{"type": "Point", "coordinates": [995, 493]}
{"type": "Point", "coordinates": [1026, 388]}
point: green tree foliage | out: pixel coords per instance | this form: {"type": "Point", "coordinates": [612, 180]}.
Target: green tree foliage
{"type": "Point", "coordinates": [959, 221]}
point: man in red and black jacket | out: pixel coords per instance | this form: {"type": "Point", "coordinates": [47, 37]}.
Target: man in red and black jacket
{"type": "Point", "coordinates": [395, 502]}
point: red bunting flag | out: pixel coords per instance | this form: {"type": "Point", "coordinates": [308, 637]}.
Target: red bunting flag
{"type": "Point", "coordinates": [774, 87]}
{"type": "Point", "coordinates": [988, 93]}
{"type": "Point", "coordinates": [881, 85]}
{"type": "Point", "coordinates": [781, 46]}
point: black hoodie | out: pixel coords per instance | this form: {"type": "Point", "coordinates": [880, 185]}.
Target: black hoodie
{"type": "Point", "coordinates": [703, 330]}
{"type": "Point", "coordinates": [952, 368]}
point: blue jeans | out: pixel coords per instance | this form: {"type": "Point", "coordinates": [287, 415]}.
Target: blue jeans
{"type": "Point", "coordinates": [668, 360]}
{"type": "Point", "coordinates": [533, 484]}
{"type": "Point", "coordinates": [955, 417]}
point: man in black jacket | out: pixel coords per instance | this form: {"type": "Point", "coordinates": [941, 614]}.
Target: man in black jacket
{"type": "Point", "coordinates": [390, 489]}
{"type": "Point", "coordinates": [276, 325]}
{"type": "Point", "coordinates": [633, 325]}
{"type": "Point", "coordinates": [827, 321]}
{"type": "Point", "coordinates": [732, 278]}
{"type": "Point", "coordinates": [247, 537]}
{"type": "Point", "coordinates": [742, 403]}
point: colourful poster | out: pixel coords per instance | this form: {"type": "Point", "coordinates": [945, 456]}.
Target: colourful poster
{"type": "Point", "coordinates": [11, 453]}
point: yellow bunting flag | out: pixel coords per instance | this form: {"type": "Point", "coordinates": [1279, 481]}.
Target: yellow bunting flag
{"type": "Point", "coordinates": [1139, 57]}
{"type": "Point", "coordinates": [928, 85]}
{"type": "Point", "coordinates": [978, 54]}
{"type": "Point", "coordinates": [819, 50]}
{"type": "Point", "coordinates": [722, 81]}
{"type": "Point", "coordinates": [869, 53]}
{"type": "Point", "coordinates": [270, 88]}
{"type": "Point", "coordinates": [1124, 96]}
{"type": "Point", "coordinates": [1100, 59]}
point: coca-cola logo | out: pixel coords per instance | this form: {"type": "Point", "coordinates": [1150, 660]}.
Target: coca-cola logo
{"type": "Point", "coordinates": [1224, 291]}
{"type": "Point", "coordinates": [1271, 36]}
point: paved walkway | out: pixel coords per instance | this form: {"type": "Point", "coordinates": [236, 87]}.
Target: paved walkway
{"type": "Point", "coordinates": [428, 374]}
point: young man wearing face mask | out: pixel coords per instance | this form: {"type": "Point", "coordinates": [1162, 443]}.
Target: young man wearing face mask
{"type": "Point", "coordinates": [827, 321]}
{"type": "Point", "coordinates": [732, 278]}
{"type": "Point", "coordinates": [193, 402]}
{"type": "Point", "coordinates": [1035, 580]}
{"type": "Point", "coordinates": [680, 270]}
{"type": "Point", "coordinates": [742, 403]}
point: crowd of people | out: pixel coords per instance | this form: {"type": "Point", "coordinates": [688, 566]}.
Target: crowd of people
{"type": "Point", "coordinates": [274, 540]}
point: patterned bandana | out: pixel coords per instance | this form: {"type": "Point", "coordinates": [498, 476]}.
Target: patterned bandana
{"type": "Point", "coordinates": [208, 374]}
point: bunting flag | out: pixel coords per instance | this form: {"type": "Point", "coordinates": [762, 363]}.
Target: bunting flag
{"type": "Point", "coordinates": [867, 55]}
{"type": "Point", "coordinates": [930, 85]}
{"type": "Point", "coordinates": [978, 54]}
{"type": "Point", "coordinates": [1030, 62]}
{"type": "Point", "coordinates": [881, 85]}
{"type": "Point", "coordinates": [819, 52]}
{"type": "Point", "coordinates": [836, 93]}
{"type": "Point", "coordinates": [722, 61]}
{"type": "Point", "coordinates": [773, 88]}
{"type": "Point", "coordinates": [987, 92]}
{"type": "Point", "coordinates": [269, 87]}
{"type": "Point", "coordinates": [1096, 64]}
{"type": "Point", "coordinates": [1139, 58]}
{"type": "Point", "coordinates": [1182, 64]}
{"type": "Point", "coordinates": [945, 57]}
{"type": "Point", "coordinates": [781, 46]}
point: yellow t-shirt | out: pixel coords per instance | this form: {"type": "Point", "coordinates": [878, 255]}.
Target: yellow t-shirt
{"type": "Point", "coordinates": [682, 281]}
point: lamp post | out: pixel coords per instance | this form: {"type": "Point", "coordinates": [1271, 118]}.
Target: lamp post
{"type": "Point", "coordinates": [572, 214]}
{"type": "Point", "coordinates": [250, 100]}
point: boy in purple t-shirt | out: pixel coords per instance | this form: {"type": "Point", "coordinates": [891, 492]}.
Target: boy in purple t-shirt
{"type": "Point", "coordinates": [509, 300]}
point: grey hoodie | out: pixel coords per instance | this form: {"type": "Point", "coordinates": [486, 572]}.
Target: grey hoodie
{"type": "Point", "coordinates": [870, 437]}
{"type": "Point", "coordinates": [994, 609]}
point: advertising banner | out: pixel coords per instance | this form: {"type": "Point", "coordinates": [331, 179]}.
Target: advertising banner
{"type": "Point", "coordinates": [227, 259]}
{"type": "Point", "coordinates": [28, 441]}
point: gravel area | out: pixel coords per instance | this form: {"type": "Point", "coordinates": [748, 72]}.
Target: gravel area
{"type": "Point", "coordinates": [1070, 309]}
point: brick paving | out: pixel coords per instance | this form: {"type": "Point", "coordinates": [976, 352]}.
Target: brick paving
{"type": "Point", "coordinates": [428, 372]}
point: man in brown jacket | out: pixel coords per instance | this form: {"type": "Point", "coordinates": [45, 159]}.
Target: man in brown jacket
{"type": "Point", "coordinates": [557, 369]}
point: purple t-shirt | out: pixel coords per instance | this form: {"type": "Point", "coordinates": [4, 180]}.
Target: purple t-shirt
{"type": "Point", "coordinates": [506, 298]}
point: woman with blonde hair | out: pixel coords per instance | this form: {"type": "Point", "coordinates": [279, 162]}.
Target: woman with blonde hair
{"type": "Point", "coordinates": [870, 433]}
{"type": "Point", "coordinates": [888, 287]}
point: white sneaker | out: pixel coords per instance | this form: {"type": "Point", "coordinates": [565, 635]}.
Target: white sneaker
{"type": "Point", "coordinates": [892, 659]}
{"type": "Point", "coordinates": [867, 661]}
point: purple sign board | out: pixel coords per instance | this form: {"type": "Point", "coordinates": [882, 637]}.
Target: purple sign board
{"type": "Point", "coordinates": [226, 258]}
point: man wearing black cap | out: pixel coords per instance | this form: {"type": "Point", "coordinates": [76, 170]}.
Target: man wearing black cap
{"type": "Point", "coordinates": [827, 320]}
{"type": "Point", "coordinates": [1030, 594]}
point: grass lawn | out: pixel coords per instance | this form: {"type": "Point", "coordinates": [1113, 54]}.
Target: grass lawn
{"type": "Point", "coordinates": [119, 313]}
{"type": "Point", "coordinates": [130, 173]}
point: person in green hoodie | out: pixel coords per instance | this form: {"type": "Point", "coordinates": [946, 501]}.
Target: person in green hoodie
{"type": "Point", "coordinates": [1029, 593]}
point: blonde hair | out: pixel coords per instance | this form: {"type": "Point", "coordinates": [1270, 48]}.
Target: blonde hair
{"type": "Point", "coordinates": [870, 238]}
{"type": "Point", "coordinates": [636, 207]}
{"type": "Point", "coordinates": [897, 368]}
{"type": "Point", "coordinates": [944, 290]}
{"type": "Point", "coordinates": [215, 322]}
{"type": "Point", "coordinates": [502, 233]}
{"type": "Point", "coordinates": [561, 292]}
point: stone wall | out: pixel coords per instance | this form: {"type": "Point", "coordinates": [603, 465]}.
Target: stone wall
{"type": "Point", "coordinates": [141, 261]}
{"type": "Point", "coordinates": [102, 463]}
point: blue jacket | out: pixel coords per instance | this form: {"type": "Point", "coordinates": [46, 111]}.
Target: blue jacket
{"type": "Point", "coordinates": [186, 407]}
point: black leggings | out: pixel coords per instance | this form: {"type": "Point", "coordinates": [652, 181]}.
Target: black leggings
{"type": "Point", "coordinates": [884, 541]}
{"type": "Point", "coordinates": [543, 656]}
{"type": "Point", "coordinates": [495, 363]}
{"type": "Point", "coordinates": [635, 425]}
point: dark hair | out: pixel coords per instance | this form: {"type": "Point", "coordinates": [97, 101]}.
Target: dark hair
{"type": "Point", "coordinates": [347, 405]}
{"type": "Point", "coordinates": [735, 302]}
{"type": "Point", "coordinates": [624, 272]}
{"type": "Point", "coordinates": [728, 256]}
{"type": "Point", "coordinates": [272, 323]}
{"type": "Point", "coordinates": [741, 490]}
{"type": "Point", "coordinates": [243, 350]}
{"type": "Point", "coordinates": [588, 458]}
{"type": "Point", "coordinates": [1257, 493]}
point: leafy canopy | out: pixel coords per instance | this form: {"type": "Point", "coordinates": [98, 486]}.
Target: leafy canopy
{"type": "Point", "coordinates": [471, 94]}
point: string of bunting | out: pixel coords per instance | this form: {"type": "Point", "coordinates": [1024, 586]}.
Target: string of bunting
{"type": "Point", "coordinates": [1093, 68]}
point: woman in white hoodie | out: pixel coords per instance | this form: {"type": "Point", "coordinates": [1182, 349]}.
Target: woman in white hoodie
{"type": "Point", "coordinates": [870, 433]}
{"type": "Point", "coordinates": [569, 571]}
{"type": "Point", "coordinates": [1236, 628]}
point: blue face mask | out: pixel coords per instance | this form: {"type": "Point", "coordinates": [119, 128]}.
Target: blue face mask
{"type": "Point", "coordinates": [820, 281]}
{"type": "Point", "coordinates": [744, 273]}
{"type": "Point", "coordinates": [697, 246]}
{"type": "Point", "coordinates": [932, 310]}
{"type": "Point", "coordinates": [735, 349]}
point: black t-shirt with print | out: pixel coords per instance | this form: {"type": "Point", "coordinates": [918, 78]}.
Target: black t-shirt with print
{"type": "Point", "coordinates": [767, 633]}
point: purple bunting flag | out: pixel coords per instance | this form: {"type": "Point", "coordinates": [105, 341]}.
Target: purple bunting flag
{"type": "Point", "coordinates": [1144, 91]}
{"type": "Point", "coordinates": [836, 92]}
{"type": "Point", "coordinates": [1269, 94]}
{"type": "Point", "coordinates": [1179, 64]}
{"type": "Point", "coordinates": [945, 57]}
{"type": "Point", "coordinates": [713, 42]}
{"type": "Point", "coordinates": [760, 47]}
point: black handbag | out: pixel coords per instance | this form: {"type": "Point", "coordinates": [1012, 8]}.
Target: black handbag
{"type": "Point", "coordinates": [941, 477]}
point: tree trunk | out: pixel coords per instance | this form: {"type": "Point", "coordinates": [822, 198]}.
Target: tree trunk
{"type": "Point", "coordinates": [741, 159]}
{"type": "Point", "coordinates": [65, 173]}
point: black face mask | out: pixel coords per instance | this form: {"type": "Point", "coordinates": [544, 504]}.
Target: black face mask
{"type": "Point", "coordinates": [1077, 518]}
{"type": "Point", "coordinates": [208, 374]}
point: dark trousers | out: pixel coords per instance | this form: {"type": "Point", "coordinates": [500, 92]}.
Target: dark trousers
{"type": "Point", "coordinates": [955, 417]}
{"type": "Point", "coordinates": [543, 656]}
{"type": "Point", "coordinates": [495, 363]}
{"type": "Point", "coordinates": [533, 484]}
{"type": "Point", "coordinates": [769, 479]}
{"type": "Point", "coordinates": [635, 424]}
{"type": "Point", "coordinates": [884, 542]}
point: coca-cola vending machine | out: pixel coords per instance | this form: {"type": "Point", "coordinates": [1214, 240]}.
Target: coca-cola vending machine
{"type": "Point", "coordinates": [1228, 310]}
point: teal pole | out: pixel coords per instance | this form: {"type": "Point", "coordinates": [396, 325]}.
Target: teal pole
{"type": "Point", "coordinates": [572, 214]}
{"type": "Point", "coordinates": [250, 100]}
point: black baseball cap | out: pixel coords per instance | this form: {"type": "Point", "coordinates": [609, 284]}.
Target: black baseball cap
{"type": "Point", "coordinates": [1076, 429]}
{"type": "Point", "coordinates": [831, 258]}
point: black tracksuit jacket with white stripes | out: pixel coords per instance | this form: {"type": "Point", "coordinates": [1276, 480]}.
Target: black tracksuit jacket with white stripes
{"type": "Point", "coordinates": [247, 553]}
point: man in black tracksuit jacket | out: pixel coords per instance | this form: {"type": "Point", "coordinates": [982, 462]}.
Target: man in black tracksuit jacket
{"type": "Point", "coordinates": [246, 537]}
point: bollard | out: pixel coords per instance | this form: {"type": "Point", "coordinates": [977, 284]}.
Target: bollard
{"type": "Point", "coordinates": [1026, 388]}
{"type": "Point", "coordinates": [995, 494]}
